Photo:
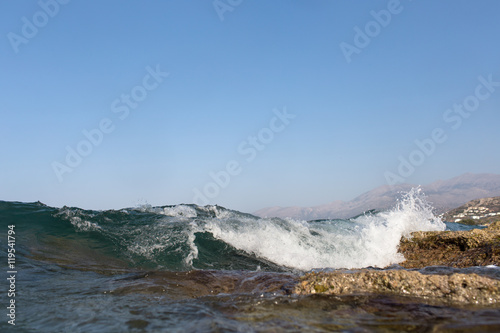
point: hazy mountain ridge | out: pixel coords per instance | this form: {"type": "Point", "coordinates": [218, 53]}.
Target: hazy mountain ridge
{"type": "Point", "coordinates": [442, 194]}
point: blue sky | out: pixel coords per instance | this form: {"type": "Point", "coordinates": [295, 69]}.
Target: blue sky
{"type": "Point", "coordinates": [263, 103]}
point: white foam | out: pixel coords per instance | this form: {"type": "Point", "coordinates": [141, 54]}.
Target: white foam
{"type": "Point", "coordinates": [179, 210]}
{"type": "Point", "coordinates": [84, 225]}
{"type": "Point", "coordinates": [193, 249]}
{"type": "Point", "coordinates": [366, 241]}
{"type": "Point", "coordinates": [288, 243]}
{"type": "Point", "coordinates": [173, 211]}
{"type": "Point", "coordinates": [75, 217]}
{"type": "Point", "coordinates": [218, 211]}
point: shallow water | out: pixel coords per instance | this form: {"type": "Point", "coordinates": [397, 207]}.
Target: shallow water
{"type": "Point", "coordinates": [56, 299]}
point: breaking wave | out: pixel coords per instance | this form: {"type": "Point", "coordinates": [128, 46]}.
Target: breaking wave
{"type": "Point", "coordinates": [185, 237]}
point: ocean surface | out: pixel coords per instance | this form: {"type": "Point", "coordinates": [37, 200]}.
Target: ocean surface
{"type": "Point", "coordinates": [186, 268]}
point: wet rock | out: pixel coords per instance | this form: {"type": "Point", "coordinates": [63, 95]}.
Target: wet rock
{"type": "Point", "coordinates": [478, 247]}
{"type": "Point", "coordinates": [454, 288]}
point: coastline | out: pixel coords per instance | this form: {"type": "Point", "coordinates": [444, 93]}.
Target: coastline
{"type": "Point", "coordinates": [424, 250]}
{"type": "Point", "coordinates": [477, 247]}
{"type": "Point", "coordinates": [126, 271]}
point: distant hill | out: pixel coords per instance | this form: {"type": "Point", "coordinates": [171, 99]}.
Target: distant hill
{"type": "Point", "coordinates": [442, 194]}
{"type": "Point", "coordinates": [479, 211]}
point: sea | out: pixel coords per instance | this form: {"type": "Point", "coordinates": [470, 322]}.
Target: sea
{"type": "Point", "coordinates": [187, 268]}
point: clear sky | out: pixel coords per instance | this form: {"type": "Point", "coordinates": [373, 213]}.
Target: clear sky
{"type": "Point", "coordinates": [245, 104]}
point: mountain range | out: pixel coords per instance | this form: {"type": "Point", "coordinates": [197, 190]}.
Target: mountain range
{"type": "Point", "coordinates": [443, 195]}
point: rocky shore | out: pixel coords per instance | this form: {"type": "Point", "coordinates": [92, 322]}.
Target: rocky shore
{"type": "Point", "coordinates": [477, 247]}
{"type": "Point", "coordinates": [458, 249]}
{"type": "Point", "coordinates": [454, 288]}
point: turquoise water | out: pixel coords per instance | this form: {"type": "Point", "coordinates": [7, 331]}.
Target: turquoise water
{"type": "Point", "coordinates": [186, 268]}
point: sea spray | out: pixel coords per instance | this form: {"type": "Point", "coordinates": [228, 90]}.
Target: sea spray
{"type": "Point", "coordinates": [172, 267]}
{"type": "Point", "coordinates": [383, 231]}
{"type": "Point", "coordinates": [185, 237]}
{"type": "Point", "coordinates": [193, 253]}
{"type": "Point", "coordinates": [370, 240]}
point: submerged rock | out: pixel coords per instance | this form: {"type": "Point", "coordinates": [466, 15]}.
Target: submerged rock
{"type": "Point", "coordinates": [477, 247]}
{"type": "Point", "coordinates": [455, 288]}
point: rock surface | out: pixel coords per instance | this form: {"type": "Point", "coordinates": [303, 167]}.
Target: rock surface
{"type": "Point", "coordinates": [477, 247]}
{"type": "Point", "coordinates": [455, 288]}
